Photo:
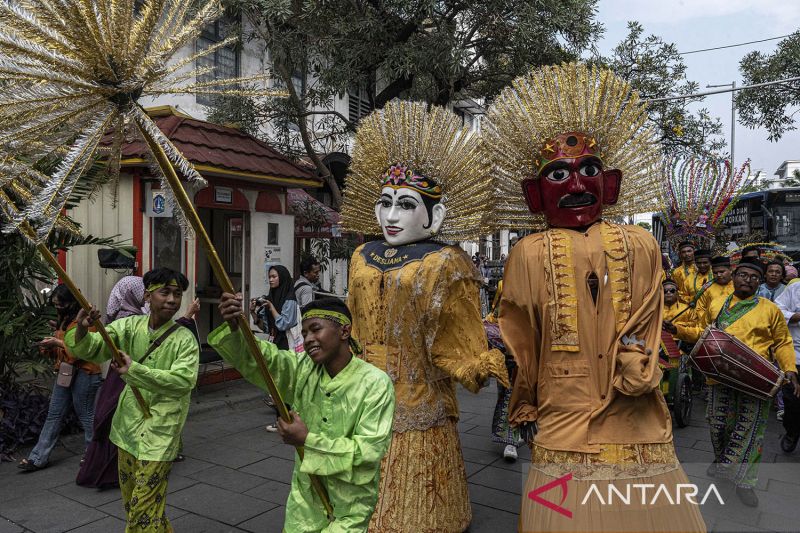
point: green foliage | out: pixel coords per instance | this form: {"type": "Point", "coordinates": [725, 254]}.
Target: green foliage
{"type": "Point", "coordinates": [24, 312]}
{"type": "Point", "coordinates": [793, 180]}
{"type": "Point", "coordinates": [655, 69]}
{"type": "Point", "coordinates": [344, 247]}
{"type": "Point", "coordinates": [773, 107]}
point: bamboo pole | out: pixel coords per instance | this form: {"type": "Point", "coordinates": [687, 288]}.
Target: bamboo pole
{"type": "Point", "coordinates": [115, 354]}
{"type": "Point", "coordinates": [227, 286]}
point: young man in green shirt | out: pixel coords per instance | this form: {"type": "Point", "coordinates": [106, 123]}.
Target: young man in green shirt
{"type": "Point", "coordinates": [161, 360]}
{"type": "Point", "coordinates": [343, 409]}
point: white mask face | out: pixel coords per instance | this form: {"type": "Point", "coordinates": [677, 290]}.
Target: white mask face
{"type": "Point", "coordinates": [404, 218]}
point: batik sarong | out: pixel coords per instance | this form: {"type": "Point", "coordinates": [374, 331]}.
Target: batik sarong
{"type": "Point", "coordinates": [144, 493]}
{"type": "Point", "coordinates": [738, 422]}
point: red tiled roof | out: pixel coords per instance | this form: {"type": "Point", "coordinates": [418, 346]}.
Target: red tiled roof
{"type": "Point", "coordinates": [295, 196]}
{"type": "Point", "coordinates": [204, 143]}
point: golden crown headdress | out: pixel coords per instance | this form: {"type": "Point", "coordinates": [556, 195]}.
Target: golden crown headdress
{"type": "Point", "coordinates": [524, 127]}
{"type": "Point", "coordinates": [425, 144]}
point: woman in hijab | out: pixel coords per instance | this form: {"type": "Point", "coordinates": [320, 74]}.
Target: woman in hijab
{"type": "Point", "coordinates": [127, 299]}
{"type": "Point", "coordinates": [276, 313]}
{"type": "Point", "coordinates": [99, 470]}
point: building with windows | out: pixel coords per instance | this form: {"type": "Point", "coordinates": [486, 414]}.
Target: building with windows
{"type": "Point", "coordinates": [244, 209]}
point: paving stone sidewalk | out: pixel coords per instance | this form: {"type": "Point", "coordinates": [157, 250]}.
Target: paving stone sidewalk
{"type": "Point", "coordinates": [236, 476]}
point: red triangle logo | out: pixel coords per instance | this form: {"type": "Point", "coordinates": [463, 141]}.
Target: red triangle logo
{"type": "Point", "coordinates": [560, 482]}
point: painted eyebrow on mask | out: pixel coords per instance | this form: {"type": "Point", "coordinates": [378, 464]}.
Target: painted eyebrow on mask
{"type": "Point", "coordinates": [408, 197]}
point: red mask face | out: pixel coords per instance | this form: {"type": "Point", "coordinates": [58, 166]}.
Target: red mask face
{"type": "Point", "coordinates": [571, 192]}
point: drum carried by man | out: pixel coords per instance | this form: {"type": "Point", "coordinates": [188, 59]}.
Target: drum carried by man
{"type": "Point", "coordinates": [735, 336]}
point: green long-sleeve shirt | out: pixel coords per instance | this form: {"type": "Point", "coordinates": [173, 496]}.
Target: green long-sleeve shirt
{"type": "Point", "coordinates": [165, 379]}
{"type": "Point", "coordinates": [349, 420]}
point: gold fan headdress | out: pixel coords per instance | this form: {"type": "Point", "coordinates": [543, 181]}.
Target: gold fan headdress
{"type": "Point", "coordinates": [423, 143]}
{"type": "Point", "coordinates": [524, 121]}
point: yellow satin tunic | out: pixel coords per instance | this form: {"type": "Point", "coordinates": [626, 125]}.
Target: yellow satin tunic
{"type": "Point", "coordinates": [679, 274]}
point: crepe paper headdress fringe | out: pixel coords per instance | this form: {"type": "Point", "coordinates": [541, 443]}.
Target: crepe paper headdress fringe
{"type": "Point", "coordinates": [75, 70]}
{"type": "Point", "coordinates": [696, 194]}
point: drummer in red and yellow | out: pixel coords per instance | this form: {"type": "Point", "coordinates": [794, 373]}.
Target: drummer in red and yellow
{"type": "Point", "coordinates": [738, 420]}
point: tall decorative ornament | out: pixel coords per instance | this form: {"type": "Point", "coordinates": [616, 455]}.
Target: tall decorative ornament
{"type": "Point", "coordinates": [75, 69]}
{"type": "Point", "coordinates": [696, 194]}
{"type": "Point", "coordinates": [569, 97]}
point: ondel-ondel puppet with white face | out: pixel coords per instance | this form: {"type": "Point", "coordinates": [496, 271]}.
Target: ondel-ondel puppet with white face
{"type": "Point", "coordinates": [410, 208]}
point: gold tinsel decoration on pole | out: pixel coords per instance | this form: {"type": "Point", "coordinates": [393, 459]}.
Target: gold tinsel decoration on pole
{"type": "Point", "coordinates": [432, 142]}
{"type": "Point", "coordinates": [570, 97]}
{"type": "Point", "coordinates": [75, 69]}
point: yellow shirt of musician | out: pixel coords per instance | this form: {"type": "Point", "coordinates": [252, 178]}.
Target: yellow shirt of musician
{"type": "Point", "coordinates": [691, 284]}
{"type": "Point", "coordinates": [761, 328]}
{"type": "Point", "coordinates": [678, 308]}
{"type": "Point", "coordinates": [681, 273]}
{"type": "Point", "coordinates": [711, 293]}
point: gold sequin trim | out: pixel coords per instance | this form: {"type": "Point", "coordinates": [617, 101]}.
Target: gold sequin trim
{"type": "Point", "coordinates": [563, 295]}
{"type": "Point", "coordinates": [616, 246]}
{"type": "Point", "coordinates": [615, 461]}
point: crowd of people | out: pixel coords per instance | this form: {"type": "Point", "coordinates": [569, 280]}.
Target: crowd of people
{"type": "Point", "coordinates": [745, 300]}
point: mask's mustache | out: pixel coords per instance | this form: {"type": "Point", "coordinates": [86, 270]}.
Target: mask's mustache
{"type": "Point", "coordinates": [577, 200]}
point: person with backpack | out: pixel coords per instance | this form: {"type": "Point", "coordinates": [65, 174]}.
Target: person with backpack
{"type": "Point", "coordinates": [308, 281]}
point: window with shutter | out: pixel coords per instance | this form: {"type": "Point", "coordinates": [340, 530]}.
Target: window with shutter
{"type": "Point", "coordinates": [224, 61]}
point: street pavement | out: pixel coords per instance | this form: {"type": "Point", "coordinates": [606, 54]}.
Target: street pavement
{"type": "Point", "coordinates": [236, 476]}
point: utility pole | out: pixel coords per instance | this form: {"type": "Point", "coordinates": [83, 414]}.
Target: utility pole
{"type": "Point", "coordinates": [732, 85]}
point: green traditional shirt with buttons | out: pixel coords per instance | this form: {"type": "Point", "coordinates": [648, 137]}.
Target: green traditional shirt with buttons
{"type": "Point", "coordinates": [165, 378]}
{"type": "Point", "coordinates": [349, 420]}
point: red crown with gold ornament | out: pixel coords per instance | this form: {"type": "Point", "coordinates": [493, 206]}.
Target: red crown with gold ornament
{"type": "Point", "coordinates": [568, 145]}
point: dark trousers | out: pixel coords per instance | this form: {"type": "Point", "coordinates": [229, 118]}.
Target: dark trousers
{"type": "Point", "coordinates": [791, 411]}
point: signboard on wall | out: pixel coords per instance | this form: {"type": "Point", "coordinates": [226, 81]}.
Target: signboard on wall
{"type": "Point", "coordinates": [223, 195]}
{"type": "Point", "coordinates": [737, 220]}
{"type": "Point", "coordinates": [272, 256]}
{"type": "Point", "coordinates": [157, 204]}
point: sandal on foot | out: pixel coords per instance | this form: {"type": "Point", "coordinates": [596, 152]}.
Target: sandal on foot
{"type": "Point", "coordinates": [30, 466]}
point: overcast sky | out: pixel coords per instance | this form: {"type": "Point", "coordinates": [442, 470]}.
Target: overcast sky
{"type": "Point", "coordinates": [696, 24]}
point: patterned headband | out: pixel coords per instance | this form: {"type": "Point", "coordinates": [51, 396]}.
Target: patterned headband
{"type": "Point", "coordinates": [337, 318]}
{"type": "Point", "coordinates": [155, 286]}
{"type": "Point", "coordinates": [400, 175]}
{"type": "Point", "coordinates": [566, 146]}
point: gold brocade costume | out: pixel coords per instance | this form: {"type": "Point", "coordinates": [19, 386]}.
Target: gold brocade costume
{"type": "Point", "coordinates": [415, 310]}
{"type": "Point", "coordinates": [596, 400]}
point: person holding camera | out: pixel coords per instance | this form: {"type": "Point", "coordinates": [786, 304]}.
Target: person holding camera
{"type": "Point", "coordinates": [276, 313]}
